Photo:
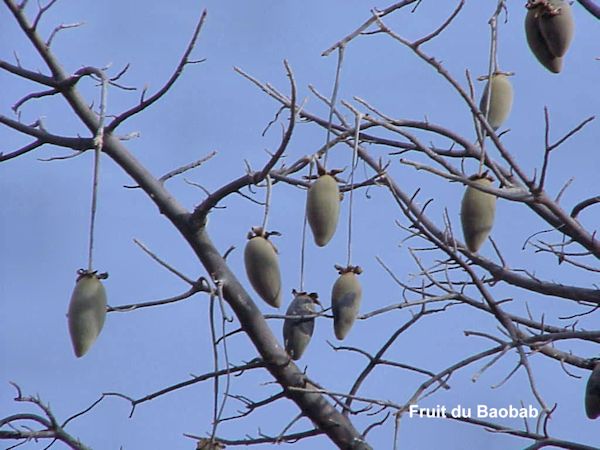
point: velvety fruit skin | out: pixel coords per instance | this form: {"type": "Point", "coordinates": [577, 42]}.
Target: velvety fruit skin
{"type": "Point", "coordinates": [558, 29]}
{"type": "Point", "coordinates": [297, 332]}
{"type": "Point", "coordinates": [87, 311]}
{"type": "Point", "coordinates": [262, 268]}
{"type": "Point", "coordinates": [592, 394]}
{"type": "Point", "coordinates": [477, 214]}
{"type": "Point", "coordinates": [345, 303]}
{"type": "Point", "coordinates": [501, 100]}
{"type": "Point", "coordinates": [549, 35]}
{"type": "Point", "coordinates": [323, 208]}
{"type": "Point", "coordinates": [537, 44]}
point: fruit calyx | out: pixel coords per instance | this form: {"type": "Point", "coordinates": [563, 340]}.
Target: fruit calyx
{"type": "Point", "coordinates": [348, 269]}
{"type": "Point", "coordinates": [85, 273]}
{"type": "Point", "coordinates": [312, 295]}
{"type": "Point", "coordinates": [482, 176]}
{"type": "Point", "coordinates": [260, 232]}
{"type": "Point", "coordinates": [546, 8]}
{"type": "Point", "coordinates": [496, 72]}
{"type": "Point", "coordinates": [322, 171]}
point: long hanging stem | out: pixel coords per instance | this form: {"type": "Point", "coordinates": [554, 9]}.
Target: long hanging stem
{"type": "Point", "coordinates": [303, 247]}
{"type": "Point", "coordinates": [98, 143]}
{"type": "Point", "coordinates": [267, 203]}
{"type": "Point", "coordinates": [358, 118]}
{"type": "Point", "coordinates": [93, 209]}
{"type": "Point", "coordinates": [213, 335]}
{"type": "Point", "coordinates": [336, 85]}
{"type": "Point", "coordinates": [492, 68]}
{"type": "Point", "coordinates": [224, 320]}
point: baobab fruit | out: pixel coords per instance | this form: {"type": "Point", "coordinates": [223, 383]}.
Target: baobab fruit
{"type": "Point", "coordinates": [262, 266]}
{"type": "Point", "coordinates": [549, 28]}
{"type": "Point", "coordinates": [501, 99]}
{"type": "Point", "coordinates": [323, 208]}
{"type": "Point", "coordinates": [346, 295]}
{"type": "Point", "coordinates": [477, 212]}
{"type": "Point", "coordinates": [537, 44]}
{"type": "Point", "coordinates": [296, 331]}
{"type": "Point", "coordinates": [87, 311]}
{"type": "Point", "coordinates": [592, 394]}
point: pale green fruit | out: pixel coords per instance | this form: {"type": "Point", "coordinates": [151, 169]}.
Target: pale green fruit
{"type": "Point", "coordinates": [262, 268]}
{"type": "Point", "coordinates": [477, 214]}
{"type": "Point", "coordinates": [557, 29]}
{"type": "Point", "coordinates": [323, 208]}
{"type": "Point", "coordinates": [500, 100]}
{"type": "Point", "coordinates": [549, 29]}
{"type": "Point", "coordinates": [87, 311]}
{"type": "Point", "coordinates": [592, 394]}
{"type": "Point", "coordinates": [345, 303]}
{"type": "Point", "coordinates": [297, 332]}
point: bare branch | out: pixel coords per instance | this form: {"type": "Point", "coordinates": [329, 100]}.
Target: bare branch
{"type": "Point", "coordinates": [367, 24]}
{"type": "Point", "coordinates": [184, 61]}
{"type": "Point", "coordinates": [183, 169]}
{"type": "Point", "coordinates": [64, 26]}
{"type": "Point", "coordinates": [196, 379]}
{"type": "Point", "coordinates": [47, 138]}
{"type": "Point", "coordinates": [584, 204]}
{"type": "Point", "coordinates": [26, 149]}
{"type": "Point", "coordinates": [28, 74]}
{"type": "Point", "coordinates": [591, 7]}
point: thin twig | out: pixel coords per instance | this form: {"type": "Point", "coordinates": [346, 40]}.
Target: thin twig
{"type": "Point", "coordinates": [336, 85]}
{"type": "Point", "coordinates": [184, 61]}
{"type": "Point", "coordinates": [187, 167]}
{"type": "Point", "coordinates": [163, 263]}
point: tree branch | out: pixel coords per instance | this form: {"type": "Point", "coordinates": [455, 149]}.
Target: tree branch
{"type": "Point", "coordinates": [167, 86]}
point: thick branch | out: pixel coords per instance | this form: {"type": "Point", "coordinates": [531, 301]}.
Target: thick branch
{"type": "Point", "coordinates": [591, 7]}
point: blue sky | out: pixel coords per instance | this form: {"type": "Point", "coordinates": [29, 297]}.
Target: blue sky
{"type": "Point", "coordinates": [45, 209]}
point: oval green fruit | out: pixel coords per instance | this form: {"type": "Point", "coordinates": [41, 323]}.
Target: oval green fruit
{"type": "Point", "coordinates": [592, 394]}
{"type": "Point", "coordinates": [262, 268]}
{"type": "Point", "coordinates": [537, 43]}
{"type": "Point", "coordinates": [346, 295]}
{"type": "Point", "coordinates": [323, 208]}
{"type": "Point", "coordinates": [477, 213]}
{"type": "Point", "coordinates": [501, 100]}
{"type": "Point", "coordinates": [87, 312]}
{"type": "Point", "coordinates": [297, 332]}
{"type": "Point", "coordinates": [557, 27]}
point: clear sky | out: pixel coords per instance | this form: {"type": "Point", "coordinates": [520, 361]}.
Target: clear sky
{"type": "Point", "coordinates": [44, 214]}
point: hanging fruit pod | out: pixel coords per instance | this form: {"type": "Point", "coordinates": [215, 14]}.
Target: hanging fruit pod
{"type": "Point", "coordinates": [592, 394]}
{"type": "Point", "coordinates": [477, 212]}
{"type": "Point", "coordinates": [549, 28]}
{"type": "Point", "coordinates": [297, 332]}
{"type": "Point", "coordinates": [501, 99]}
{"type": "Point", "coordinates": [262, 266]}
{"type": "Point", "coordinates": [346, 295]}
{"type": "Point", "coordinates": [87, 310]}
{"type": "Point", "coordinates": [323, 206]}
